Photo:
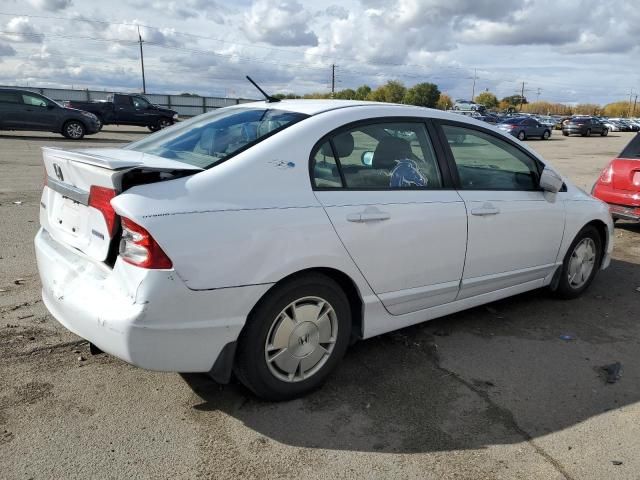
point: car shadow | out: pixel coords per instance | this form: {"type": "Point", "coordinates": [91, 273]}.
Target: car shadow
{"type": "Point", "coordinates": [504, 373]}
{"type": "Point", "coordinates": [61, 139]}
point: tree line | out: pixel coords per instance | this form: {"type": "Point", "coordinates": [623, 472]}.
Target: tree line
{"type": "Point", "coordinates": [427, 94]}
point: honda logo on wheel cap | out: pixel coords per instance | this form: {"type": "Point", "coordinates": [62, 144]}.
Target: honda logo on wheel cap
{"type": "Point", "coordinates": [58, 170]}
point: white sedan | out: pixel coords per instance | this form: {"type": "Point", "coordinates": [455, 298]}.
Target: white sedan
{"type": "Point", "coordinates": [262, 239]}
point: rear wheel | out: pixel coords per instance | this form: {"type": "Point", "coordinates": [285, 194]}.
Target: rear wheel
{"type": "Point", "coordinates": [580, 264]}
{"type": "Point", "coordinates": [294, 338]}
{"type": "Point", "coordinates": [100, 123]}
{"type": "Point", "coordinates": [605, 132]}
{"type": "Point", "coordinates": [566, 134]}
{"type": "Point", "coordinates": [522, 135]}
{"type": "Point", "coordinates": [546, 135]}
{"type": "Point", "coordinates": [73, 129]}
{"type": "Point", "coordinates": [160, 124]}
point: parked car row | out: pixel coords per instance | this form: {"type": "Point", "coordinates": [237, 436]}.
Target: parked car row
{"type": "Point", "coordinates": [27, 110]}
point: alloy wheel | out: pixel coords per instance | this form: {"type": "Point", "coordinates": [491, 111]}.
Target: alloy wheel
{"type": "Point", "coordinates": [74, 130]}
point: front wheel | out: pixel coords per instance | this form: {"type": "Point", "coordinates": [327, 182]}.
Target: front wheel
{"type": "Point", "coordinates": [73, 129]}
{"type": "Point", "coordinates": [580, 264]}
{"type": "Point", "coordinates": [294, 338]}
{"type": "Point", "coordinates": [605, 132]}
{"type": "Point", "coordinates": [546, 135]}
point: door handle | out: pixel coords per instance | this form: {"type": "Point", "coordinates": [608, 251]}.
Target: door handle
{"type": "Point", "coordinates": [365, 216]}
{"type": "Point", "coordinates": [486, 209]}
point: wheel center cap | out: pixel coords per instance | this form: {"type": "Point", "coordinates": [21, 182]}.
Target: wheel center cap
{"type": "Point", "coordinates": [304, 339]}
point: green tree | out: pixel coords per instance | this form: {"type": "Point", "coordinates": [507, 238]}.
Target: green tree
{"type": "Point", "coordinates": [362, 92]}
{"type": "Point", "coordinates": [423, 95]}
{"type": "Point", "coordinates": [487, 99]}
{"type": "Point", "coordinates": [445, 102]}
{"type": "Point", "coordinates": [515, 100]}
{"type": "Point", "coordinates": [391, 92]}
{"type": "Point", "coordinates": [346, 94]}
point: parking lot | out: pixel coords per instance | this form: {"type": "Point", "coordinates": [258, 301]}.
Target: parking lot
{"type": "Point", "coordinates": [510, 390]}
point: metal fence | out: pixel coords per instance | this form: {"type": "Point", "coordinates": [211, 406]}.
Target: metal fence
{"type": "Point", "coordinates": [186, 106]}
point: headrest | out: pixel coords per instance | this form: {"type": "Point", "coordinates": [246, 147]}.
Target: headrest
{"type": "Point", "coordinates": [389, 150]}
{"type": "Point", "coordinates": [344, 144]}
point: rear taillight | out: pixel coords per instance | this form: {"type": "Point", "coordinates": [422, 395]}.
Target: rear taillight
{"type": "Point", "coordinates": [100, 199]}
{"type": "Point", "coordinates": [138, 247]}
{"type": "Point", "coordinates": [606, 176]}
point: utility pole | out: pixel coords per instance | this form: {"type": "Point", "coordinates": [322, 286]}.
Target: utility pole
{"type": "Point", "coordinates": [144, 85]}
{"type": "Point", "coordinates": [333, 80]}
{"type": "Point", "coordinates": [521, 97]}
{"type": "Point", "coordinates": [630, 96]}
{"type": "Point", "coordinates": [635, 102]}
{"type": "Point", "coordinates": [538, 94]}
{"type": "Point", "coordinates": [473, 88]}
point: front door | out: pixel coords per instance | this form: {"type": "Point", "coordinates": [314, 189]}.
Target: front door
{"type": "Point", "coordinates": [515, 229]}
{"type": "Point", "coordinates": [382, 188]}
{"type": "Point", "coordinates": [35, 113]}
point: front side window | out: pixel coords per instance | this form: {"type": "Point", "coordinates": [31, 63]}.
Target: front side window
{"type": "Point", "coordinates": [33, 100]}
{"type": "Point", "coordinates": [385, 156]}
{"type": "Point", "coordinates": [486, 162]}
{"type": "Point", "coordinates": [139, 102]}
{"type": "Point", "coordinates": [209, 139]}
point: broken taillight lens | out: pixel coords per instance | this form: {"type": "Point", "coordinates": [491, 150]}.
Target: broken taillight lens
{"type": "Point", "coordinates": [138, 247]}
{"type": "Point", "coordinates": [606, 176]}
{"type": "Point", "coordinates": [100, 199]}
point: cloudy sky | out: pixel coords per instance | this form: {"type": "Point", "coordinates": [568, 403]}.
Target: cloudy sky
{"type": "Point", "coordinates": [565, 51]}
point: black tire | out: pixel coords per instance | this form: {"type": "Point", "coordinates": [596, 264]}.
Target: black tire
{"type": "Point", "coordinates": [100, 124]}
{"type": "Point", "coordinates": [153, 128]}
{"type": "Point", "coordinates": [251, 366]}
{"type": "Point", "coordinates": [565, 289]}
{"type": "Point", "coordinates": [588, 134]}
{"type": "Point", "coordinates": [605, 132]}
{"type": "Point", "coordinates": [74, 129]}
{"type": "Point", "coordinates": [521, 135]}
{"type": "Point", "coordinates": [546, 135]}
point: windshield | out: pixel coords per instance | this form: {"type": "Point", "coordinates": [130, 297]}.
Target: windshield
{"type": "Point", "coordinates": [209, 139]}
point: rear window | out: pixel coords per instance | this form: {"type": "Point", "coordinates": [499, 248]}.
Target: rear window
{"type": "Point", "coordinates": [212, 138]}
{"type": "Point", "coordinates": [513, 121]}
{"type": "Point", "coordinates": [632, 150]}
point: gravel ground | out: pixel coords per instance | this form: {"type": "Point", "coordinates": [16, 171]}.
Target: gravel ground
{"type": "Point", "coordinates": [491, 393]}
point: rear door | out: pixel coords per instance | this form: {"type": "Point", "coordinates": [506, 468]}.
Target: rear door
{"type": "Point", "coordinates": [392, 205]}
{"type": "Point", "coordinates": [123, 109]}
{"type": "Point", "coordinates": [515, 229]}
{"type": "Point", "coordinates": [10, 109]}
{"type": "Point", "coordinates": [36, 112]}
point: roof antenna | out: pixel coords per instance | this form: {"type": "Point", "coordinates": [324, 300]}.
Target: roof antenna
{"type": "Point", "coordinates": [269, 98]}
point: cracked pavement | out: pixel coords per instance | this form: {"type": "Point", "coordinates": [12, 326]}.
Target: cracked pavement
{"type": "Point", "coordinates": [491, 393]}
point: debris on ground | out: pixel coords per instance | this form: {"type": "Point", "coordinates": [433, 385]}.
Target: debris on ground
{"type": "Point", "coordinates": [613, 371]}
{"type": "Point", "coordinates": [19, 281]}
{"type": "Point", "coordinates": [17, 202]}
{"type": "Point", "coordinates": [567, 337]}
{"type": "Point", "coordinates": [616, 462]}
{"type": "Point", "coordinates": [441, 333]}
{"type": "Point", "coordinates": [81, 358]}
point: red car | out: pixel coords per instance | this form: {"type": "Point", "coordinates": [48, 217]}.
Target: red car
{"type": "Point", "coordinates": [619, 183]}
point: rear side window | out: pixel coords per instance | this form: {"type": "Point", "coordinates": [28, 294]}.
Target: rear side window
{"type": "Point", "coordinates": [209, 139]}
{"type": "Point", "coordinates": [486, 162]}
{"type": "Point", "coordinates": [381, 156]}
{"type": "Point", "coordinates": [325, 168]}
{"type": "Point", "coordinates": [9, 97]}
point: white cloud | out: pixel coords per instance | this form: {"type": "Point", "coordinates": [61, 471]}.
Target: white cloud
{"type": "Point", "coordinates": [20, 29]}
{"type": "Point", "coordinates": [51, 5]}
{"type": "Point", "coordinates": [279, 22]}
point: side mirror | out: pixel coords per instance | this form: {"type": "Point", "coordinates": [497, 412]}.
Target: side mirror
{"type": "Point", "coordinates": [367, 158]}
{"type": "Point", "coordinates": [550, 181]}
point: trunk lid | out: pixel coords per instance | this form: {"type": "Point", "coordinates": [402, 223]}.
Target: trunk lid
{"type": "Point", "coordinates": [626, 174]}
{"type": "Point", "coordinates": [79, 217]}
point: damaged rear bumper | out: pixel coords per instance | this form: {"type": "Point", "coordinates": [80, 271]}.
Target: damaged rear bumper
{"type": "Point", "coordinates": [148, 318]}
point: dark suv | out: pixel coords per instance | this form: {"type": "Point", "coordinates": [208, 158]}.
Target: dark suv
{"type": "Point", "coordinates": [584, 126]}
{"type": "Point", "coordinates": [26, 110]}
